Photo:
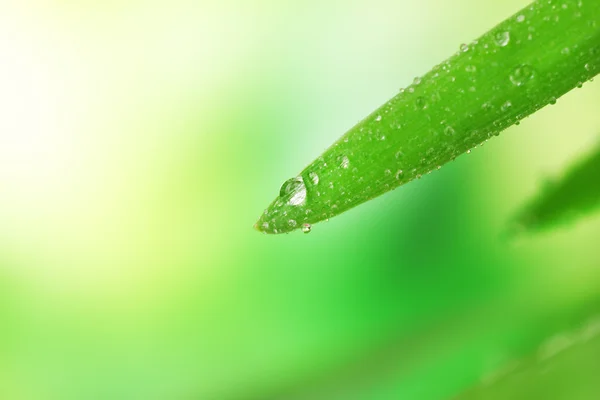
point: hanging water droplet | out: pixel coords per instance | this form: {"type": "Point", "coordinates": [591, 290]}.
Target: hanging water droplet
{"type": "Point", "coordinates": [306, 228]}
{"type": "Point", "coordinates": [469, 151]}
{"type": "Point", "coordinates": [502, 38]}
{"type": "Point", "coordinates": [552, 100]}
{"type": "Point", "coordinates": [314, 178]}
{"type": "Point", "coordinates": [522, 74]}
{"type": "Point", "coordinates": [464, 47]}
{"type": "Point", "coordinates": [295, 190]}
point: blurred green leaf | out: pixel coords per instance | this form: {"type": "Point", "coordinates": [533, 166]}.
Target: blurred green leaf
{"type": "Point", "coordinates": [518, 67]}
{"type": "Point", "coordinates": [564, 200]}
{"type": "Point", "coordinates": [565, 368]}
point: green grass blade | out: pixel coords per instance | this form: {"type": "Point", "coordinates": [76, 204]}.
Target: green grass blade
{"type": "Point", "coordinates": [520, 66]}
{"type": "Point", "coordinates": [576, 194]}
{"type": "Point", "coordinates": [566, 367]}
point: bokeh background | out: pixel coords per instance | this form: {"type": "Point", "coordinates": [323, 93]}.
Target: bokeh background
{"type": "Point", "coordinates": [140, 141]}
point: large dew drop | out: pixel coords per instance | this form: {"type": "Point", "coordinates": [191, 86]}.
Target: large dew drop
{"type": "Point", "coordinates": [293, 191]}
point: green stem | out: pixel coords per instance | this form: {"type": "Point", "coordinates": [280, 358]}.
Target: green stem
{"type": "Point", "coordinates": [518, 67]}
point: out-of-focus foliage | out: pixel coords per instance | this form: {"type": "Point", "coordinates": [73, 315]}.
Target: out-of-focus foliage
{"type": "Point", "coordinates": [564, 199]}
{"type": "Point", "coordinates": [565, 367]}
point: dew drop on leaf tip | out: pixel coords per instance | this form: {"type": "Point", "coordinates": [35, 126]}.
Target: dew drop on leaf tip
{"type": "Point", "coordinates": [295, 190]}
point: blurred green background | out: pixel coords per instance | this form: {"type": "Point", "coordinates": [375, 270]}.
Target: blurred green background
{"type": "Point", "coordinates": [139, 142]}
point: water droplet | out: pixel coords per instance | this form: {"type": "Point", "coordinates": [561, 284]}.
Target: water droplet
{"type": "Point", "coordinates": [470, 68]}
{"type": "Point", "coordinates": [464, 47]}
{"type": "Point", "coordinates": [292, 223]}
{"type": "Point", "coordinates": [522, 74]}
{"type": "Point", "coordinates": [399, 174]}
{"type": "Point", "coordinates": [314, 178]}
{"type": "Point", "coordinates": [520, 18]}
{"type": "Point", "coordinates": [502, 38]}
{"type": "Point", "coordinates": [388, 172]}
{"type": "Point", "coordinates": [344, 162]}
{"type": "Point", "coordinates": [295, 190]}
{"type": "Point", "coordinates": [330, 185]}
{"type": "Point", "coordinates": [449, 131]}
{"type": "Point", "coordinates": [265, 225]}
{"type": "Point", "coordinates": [552, 100]}
{"type": "Point", "coordinates": [506, 106]}
{"type": "Point", "coordinates": [469, 151]}
{"type": "Point", "coordinates": [588, 67]}
{"type": "Point", "coordinates": [399, 154]}
{"type": "Point", "coordinates": [417, 81]}
{"type": "Point", "coordinates": [439, 167]}
{"type": "Point", "coordinates": [579, 85]}
{"type": "Point", "coordinates": [306, 228]}
{"type": "Point", "coordinates": [378, 118]}
{"type": "Point", "coordinates": [421, 102]}
{"type": "Point", "coordinates": [565, 51]}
